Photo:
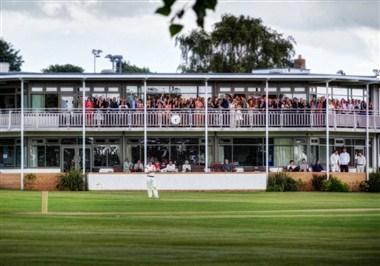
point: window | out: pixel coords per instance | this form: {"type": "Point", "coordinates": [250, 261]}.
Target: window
{"type": "Point", "coordinates": [37, 89]}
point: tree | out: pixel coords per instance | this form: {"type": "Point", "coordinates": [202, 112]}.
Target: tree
{"type": "Point", "coordinates": [199, 7]}
{"type": "Point", "coordinates": [236, 44]}
{"type": "Point", "coordinates": [9, 55]}
{"type": "Point", "coordinates": [67, 68]}
{"type": "Point", "coordinates": [129, 68]}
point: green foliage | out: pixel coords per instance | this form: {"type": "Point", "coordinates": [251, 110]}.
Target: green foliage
{"type": "Point", "coordinates": [373, 183]}
{"type": "Point", "coordinates": [129, 68]}
{"type": "Point", "coordinates": [72, 180]}
{"type": "Point", "coordinates": [301, 185]}
{"type": "Point", "coordinates": [67, 68]}
{"type": "Point", "coordinates": [235, 45]}
{"type": "Point", "coordinates": [281, 182]}
{"type": "Point", "coordinates": [334, 185]}
{"type": "Point", "coordinates": [199, 7]}
{"type": "Point", "coordinates": [317, 181]}
{"type": "Point", "coordinates": [10, 55]}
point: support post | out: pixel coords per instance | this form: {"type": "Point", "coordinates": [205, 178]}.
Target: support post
{"type": "Point", "coordinates": [44, 202]}
{"type": "Point", "coordinates": [22, 136]}
{"type": "Point", "coordinates": [145, 128]}
{"type": "Point", "coordinates": [327, 133]}
{"type": "Point", "coordinates": [367, 134]}
{"type": "Point", "coordinates": [267, 129]}
{"type": "Point", "coordinates": [84, 127]}
{"type": "Point", "coordinates": [206, 127]}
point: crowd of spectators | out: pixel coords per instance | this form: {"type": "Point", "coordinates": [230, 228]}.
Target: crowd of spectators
{"type": "Point", "coordinates": [228, 102]}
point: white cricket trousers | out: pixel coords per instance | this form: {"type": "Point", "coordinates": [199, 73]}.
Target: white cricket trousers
{"type": "Point", "coordinates": [152, 188]}
{"type": "Point", "coordinates": [335, 168]}
{"type": "Point", "coordinates": [360, 168]}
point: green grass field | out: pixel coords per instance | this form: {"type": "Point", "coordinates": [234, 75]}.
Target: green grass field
{"type": "Point", "coordinates": [183, 228]}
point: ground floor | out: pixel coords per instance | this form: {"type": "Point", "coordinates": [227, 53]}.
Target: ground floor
{"type": "Point", "coordinates": [245, 149]}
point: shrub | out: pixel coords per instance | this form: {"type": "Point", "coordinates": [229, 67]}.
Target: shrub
{"type": "Point", "coordinates": [72, 180]}
{"type": "Point", "coordinates": [317, 181]}
{"type": "Point", "coordinates": [301, 185]}
{"type": "Point", "coordinates": [374, 182]}
{"type": "Point", "coordinates": [29, 178]}
{"type": "Point", "coordinates": [281, 182]}
{"type": "Point", "coordinates": [364, 186]}
{"type": "Point", "coordinates": [334, 185]}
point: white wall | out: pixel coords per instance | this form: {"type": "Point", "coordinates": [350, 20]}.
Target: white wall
{"type": "Point", "coordinates": [31, 170]}
{"type": "Point", "coordinates": [179, 181]}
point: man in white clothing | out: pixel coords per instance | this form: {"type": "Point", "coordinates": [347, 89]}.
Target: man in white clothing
{"type": "Point", "coordinates": [150, 181]}
{"type": "Point", "coordinates": [360, 163]}
{"type": "Point", "coordinates": [334, 162]}
{"type": "Point", "coordinates": [170, 168]}
{"type": "Point", "coordinates": [186, 167]}
{"type": "Point", "coordinates": [344, 160]}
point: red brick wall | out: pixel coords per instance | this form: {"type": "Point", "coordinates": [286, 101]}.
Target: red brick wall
{"type": "Point", "coordinates": [351, 179]}
{"type": "Point", "coordinates": [41, 182]}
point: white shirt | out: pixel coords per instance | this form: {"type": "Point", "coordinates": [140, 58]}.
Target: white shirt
{"type": "Point", "coordinates": [150, 170]}
{"type": "Point", "coordinates": [171, 168]}
{"type": "Point", "coordinates": [344, 158]}
{"type": "Point", "coordinates": [360, 160]}
{"type": "Point", "coordinates": [334, 159]}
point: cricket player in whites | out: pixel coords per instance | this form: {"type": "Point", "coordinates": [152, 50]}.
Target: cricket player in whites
{"type": "Point", "coordinates": [150, 181]}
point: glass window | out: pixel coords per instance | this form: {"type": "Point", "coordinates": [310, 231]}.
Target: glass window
{"type": "Point", "coordinates": [184, 141]}
{"type": "Point", "coordinates": [248, 155]}
{"type": "Point", "coordinates": [37, 89]}
{"type": "Point", "coordinates": [51, 101]}
{"type": "Point", "coordinates": [99, 89]}
{"type": "Point", "coordinates": [239, 89]}
{"type": "Point", "coordinates": [254, 89]}
{"type": "Point", "coordinates": [225, 152]}
{"type": "Point", "coordinates": [100, 155]}
{"type": "Point", "coordinates": [225, 89]}
{"type": "Point", "coordinates": [40, 156]}
{"type": "Point", "coordinates": [7, 156]}
{"type": "Point", "coordinates": [113, 89]}
{"type": "Point", "coordinates": [37, 101]}
{"type": "Point", "coordinates": [180, 153]}
{"type": "Point", "coordinates": [299, 89]}
{"type": "Point", "coordinates": [66, 89]}
{"type": "Point", "coordinates": [53, 156]}
{"type": "Point", "coordinates": [248, 141]}
{"type": "Point", "coordinates": [285, 89]}
{"type": "Point", "coordinates": [51, 89]}
{"type": "Point", "coordinates": [114, 155]}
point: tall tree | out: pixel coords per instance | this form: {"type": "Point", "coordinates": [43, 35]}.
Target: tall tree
{"type": "Point", "coordinates": [129, 68]}
{"type": "Point", "coordinates": [199, 7]}
{"type": "Point", "coordinates": [67, 68]}
{"type": "Point", "coordinates": [236, 44]}
{"type": "Point", "coordinates": [9, 55]}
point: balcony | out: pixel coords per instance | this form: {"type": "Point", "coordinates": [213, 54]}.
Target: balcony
{"type": "Point", "coordinates": [185, 119]}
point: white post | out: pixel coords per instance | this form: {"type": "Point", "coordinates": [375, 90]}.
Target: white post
{"type": "Point", "coordinates": [327, 133]}
{"type": "Point", "coordinates": [83, 127]}
{"type": "Point", "coordinates": [367, 135]}
{"type": "Point", "coordinates": [145, 128]}
{"type": "Point", "coordinates": [267, 128]}
{"type": "Point", "coordinates": [206, 127]}
{"type": "Point", "coordinates": [22, 136]}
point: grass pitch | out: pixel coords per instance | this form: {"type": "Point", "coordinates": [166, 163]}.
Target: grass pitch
{"type": "Point", "coordinates": [183, 228]}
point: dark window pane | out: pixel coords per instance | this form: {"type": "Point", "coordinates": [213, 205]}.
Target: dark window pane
{"type": "Point", "coordinates": [41, 156]}
{"type": "Point", "coordinates": [51, 100]}
{"type": "Point", "coordinates": [7, 156]}
{"type": "Point", "coordinates": [114, 155]}
{"type": "Point", "coordinates": [181, 153]}
{"type": "Point", "coordinates": [69, 141]}
{"type": "Point", "coordinates": [100, 155]}
{"type": "Point", "coordinates": [248, 141]}
{"type": "Point", "coordinates": [52, 156]}
{"type": "Point", "coordinates": [248, 155]}
{"type": "Point", "coordinates": [184, 141]}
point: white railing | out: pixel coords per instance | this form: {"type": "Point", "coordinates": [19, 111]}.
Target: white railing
{"type": "Point", "coordinates": [188, 118]}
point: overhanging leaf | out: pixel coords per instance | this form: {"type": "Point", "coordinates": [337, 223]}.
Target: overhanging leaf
{"type": "Point", "coordinates": [174, 29]}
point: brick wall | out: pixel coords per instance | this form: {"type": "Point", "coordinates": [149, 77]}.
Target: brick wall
{"type": "Point", "coordinates": [41, 182]}
{"type": "Point", "coordinates": [351, 179]}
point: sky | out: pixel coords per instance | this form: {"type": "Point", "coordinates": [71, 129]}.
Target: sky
{"type": "Point", "coordinates": [331, 35]}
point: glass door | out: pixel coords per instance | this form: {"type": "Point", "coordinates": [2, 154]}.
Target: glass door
{"type": "Point", "coordinates": [70, 161]}
{"type": "Point", "coordinates": [87, 158]}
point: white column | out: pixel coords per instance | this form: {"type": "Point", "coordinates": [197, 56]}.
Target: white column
{"type": "Point", "coordinates": [84, 127]}
{"type": "Point", "coordinates": [206, 127]}
{"type": "Point", "coordinates": [267, 128]}
{"type": "Point", "coordinates": [367, 133]}
{"type": "Point", "coordinates": [327, 132]}
{"type": "Point", "coordinates": [22, 136]}
{"type": "Point", "coordinates": [145, 128]}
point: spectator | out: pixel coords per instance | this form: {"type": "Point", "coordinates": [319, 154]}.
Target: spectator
{"type": "Point", "coordinates": [292, 167]}
{"type": "Point", "coordinates": [344, 160]}
{"type": "Point", "coordinates": [127, 166]}
{"type": "Point", "coordinates": [360, 163]}
{"type": "Point", "coordinates": [304, 166]}
{"type": "Point", "coordinates": [227, 166]}
{"type": "Point", "coordinates": [138, 167]}
{"type": "Point", "coordinates": [186, 167]}
{"type": "Point", "coordinates": [334, 161]}
{"type": "Point", "coordinates": [170, 168]}
{"type": "Point", "coordinates": [317, 167]}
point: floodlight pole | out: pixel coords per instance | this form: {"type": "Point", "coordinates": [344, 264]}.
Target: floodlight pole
{"type": "Point", "coordinates": [83, 127]}
{"type": "Point", "coordinates": [22, 136]}
{"type": "Point", "coordinates": [267, 129]}
{"type": "Point", "coordinates": [145, 128]}
{"type": "Point", "coordinates": [206, 127]}
{"type": "Point", "coordinates": [327, 132]}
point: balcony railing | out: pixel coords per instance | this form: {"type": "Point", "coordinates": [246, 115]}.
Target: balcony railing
{"type": "Point", "coordinates": [186, 118]}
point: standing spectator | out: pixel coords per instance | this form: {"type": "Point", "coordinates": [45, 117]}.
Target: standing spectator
{"type": "Point", "coordinates": [334, 161]}
{"type": "Point", "coordinates": [344, 160]}
{"type": "Point", "coordinates": [360, 163]}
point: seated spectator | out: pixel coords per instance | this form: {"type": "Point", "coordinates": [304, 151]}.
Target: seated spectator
{"type": "Point", "coordinates": [157, 165]}
{"type": "Point", "coordinates": [227, 166]}
{"type": "Point", "coordinates": [186, 167]}
{"type": "Point", "coordinates": [138, 167]}
{"type": "Point", "coordinates": [304, 166]}
{"type": "Point", "coordinates": [292, 167]}
{"type": "Point", "coordinates": [127, 166]}
{"type": "Point", "coordinates": [317, 167]}
{"type": "Point", "coordinates": [170, 168]}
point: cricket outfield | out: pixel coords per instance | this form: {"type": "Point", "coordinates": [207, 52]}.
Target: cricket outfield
{"type": "Point", "coordinates": [190, 228]}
